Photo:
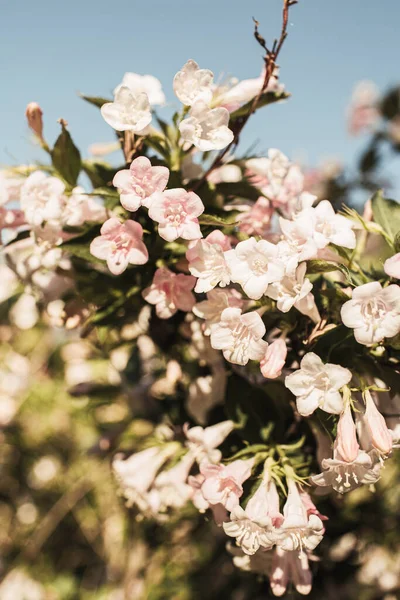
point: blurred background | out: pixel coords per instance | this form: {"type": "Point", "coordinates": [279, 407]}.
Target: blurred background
{"type": "Point", "coordinates": [65, 534]}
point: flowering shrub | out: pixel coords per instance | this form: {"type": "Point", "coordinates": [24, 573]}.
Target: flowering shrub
{"type": "Point", "coordinates": [259, 327]}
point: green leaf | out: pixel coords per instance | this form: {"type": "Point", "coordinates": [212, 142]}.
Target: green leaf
{"type": "Point", "coordinates": [268, 98]}
{"type": "Point", "coordinates": [326, 266]}
{"type": "Point", "coordinates": [241, 189]}
{"type": "Point", "coordinates": [386, 214]}
{"type": "Point", "coordinates": [66, 157]}
{"type": "Point", "coordinates": [96, 101]}
{"type": "Point", "coordinates": [99, 173]}
{"type": "Point", "coordinates": [217, 221]}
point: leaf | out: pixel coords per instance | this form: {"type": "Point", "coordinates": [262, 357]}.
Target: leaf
{"type": "Point", "coordinates": [369, 160]}
{"type": "Point", "coordinates": [216, 221]}
{"type": "Point", "coordinates": [268, 98]}
{"type": "Point", "coordinates": [99, 173]}
{"type": "Point", "coordinates": [95, 100]}
{"type": "Point", "coordinates": [387, 214]}
{"type": "Point", "coordinates": [326, 266]}
{"type": "Point", "coordinates": [241, 189]}
{"type": "Point", "coordinates": [390, 105]}
{"type": "Point", "coordinates": [66, 157]}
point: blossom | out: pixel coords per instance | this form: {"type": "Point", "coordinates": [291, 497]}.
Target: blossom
{"type": "Point", "coordinates": [363, 112]}
{"type": "Point", "coordinates": [274, 359]}
{"type": "Point", "coordinates": [254, 527]}
{"type": "Point", "coordinates": [139, 184]}
{"type": "Point", "coordinates": [206, 128]}
{"type": "Point", "coordinates": [41, 198]}
{"type": "Point", "coordinates": [290, 566]}
{"type": "Point", "coordinates": [207, 262]}
{"type": "Point", "coordinates": [171, 488]}
{"type": "Point", "coordinates": [381, 438]}
{"type": "Point", "coordinates": [280, 179]}
{"type": "Point", "coordinates": [257, 220]}
{"type": "Point", "coordinates": [147, 84]}
{"type": "Point", "coordinates": [120, 244]}
{"type": "Point", "coordinates": [223, 483]}
{"type": "Point", "coordinates": [24, 313]}
{"type": "Point", "coordinates": [176, 211]}
{"type": "Point", "coordinates": [298, 530]}
{"type": "Point", "coordinates": [34, 115]}
{"type": "Point", "coordinates": [228, 173]}
{"type": "Point", "coordinates": [392, 266]}
{"type": "Point", "coordinates": [239, 336]}
{"type": "Point", "coordinates": [373, 312]}
{"type": "Point", "coordinates": [202, 442]}
{"type": "Point", "coordinates": [212, 308]}
{"type": "Point", "coordinates": [317, 385]}
{"type": "Point", "coordinates": [298, 243]}
{"type": "Point", "coordinates": [244, 91]}
{"type": "Point", "coordinates": [220, 513]}
{"type": "Point", "coordinates": [10, 187]}
{"type": "Point", "coordinates": [291, 291]}
{"type": "Point", "coordinates": [170, 292]}
{"type": "Point", "coordinates": [80, 208]}
{"type": "Point", "coordinates": [128, 112]}
{"type": "Point", "coordinates": [330, 228]}
{"type": "Point", "coordinates": [192, 83]}
{"type": "Point", "coordinates": [255, 265]}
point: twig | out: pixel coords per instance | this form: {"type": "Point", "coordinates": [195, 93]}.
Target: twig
{"type": "Point", "coordinates": [270, 59]}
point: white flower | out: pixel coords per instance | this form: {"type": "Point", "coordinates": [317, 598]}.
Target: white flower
{"type": "Point", "coordinates": [81, 208]}
{"type": "Point", "coordinates": [203, 442]}
{"type": "Point", "coordinates": [373, 312]}
{"type": "Point", "coordinates": [239, 336]}
{"type": "Point", "coordinates": [42, 198]}
{"type": "Point", "coordinates": [207, 263]}
{"type": "Point", "coordinates": [298, 243]}
{"type": "Point", "coordinates": [206, 128]}
{"type": "Point", "coordinates": [24, 313]}
{"type": "Point", "coordinates": [343, 476]}
{"type": "Point", "coordinates": [317, 385]}
{"type": "Point", "coordinates": [279, 179]}
{"type": "Point", "coordinates": [255, 265]}
{"type": "Point", "coordinates": [147, 84]}
{"type": "Point", "coordinates": [330, 228]}
{"type": "Point", "coordinates": [192, 83]}
{"type": "Point", "coordinates": [128, 112]}
{"type": "Point", "coordinates": [291, 290]}
{"type": "Point", "coordinates": [212, 308]}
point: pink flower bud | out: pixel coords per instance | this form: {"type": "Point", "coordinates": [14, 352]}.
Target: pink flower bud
{"type": "Point", "coordinates": [34, 114]}
{"type": "Point", "coordinates": [380, 434]}
{"type": "Point", "coordinates": [346, 444]}
{"type": "Point", "coordinates": [392, 266]}
{"type": "Point", "coordinates": [274, 359]}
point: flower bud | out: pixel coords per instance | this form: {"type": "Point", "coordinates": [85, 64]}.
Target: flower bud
{"type": "Point", "coordinates": [34, 114]}
{"type": "Point", "coordinates": [274, 359]}
{"type": "Point", "coordinates": [380, 434]}
{"type": "Point", "coordinates": [346, 444]}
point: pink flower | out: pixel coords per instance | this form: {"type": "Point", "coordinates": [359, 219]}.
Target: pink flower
{"type": "Point", "coordinates": [363, 112]}
{"type": "Point", "coordinates": [207, 261]}
{"type": "Point", "coordinates": [120, 244]}
{"type": "Point", "coordinates": [220, 513]}
{"type": "Point", "coordinates": [346, 444]}
{"type": "Point", "coordinates": [138, 184]}
{"type": "Point", "coordinates": [212, 308]}
{"type": "Point", "coordinates": [290, 566]}
{"type": "Point", "coordinates": [376, 425]}
{"type": "Point", "coordinates": [223, 484]}
{"type": "Point", "coordinates": [176, 211]}
{"type": "Point", "coordinates": [170, 292]}
{"type": "Point", "coordinates": [392, 266]}
{"type": "Point", "coordinates": [203, 442]}
{"type": "Point", "coordinates": [257, 221]}
{"type": "Point", "coordinates": [275, 356]}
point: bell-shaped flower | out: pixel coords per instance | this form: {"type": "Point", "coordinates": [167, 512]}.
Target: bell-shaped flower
{"type": "Point", "coordinates": [128, 112]}
{"type": "Point", "coordinates": [317, 385]}
{"type": "Point", "coordinates": [255, 265]}
{"type": "Point", "coordinates": [290, 291]}
{"type": "Point", "coordinates": [298, 531]}
{"type": "Point", "coordinates": [170, 292]}
{"type": "Point", "coordinates": [192, 83]}
{"type": "Point", "coordinates": [42, 198]}
{"type": "Point", "coordinates": [255, 526]}
{"type": "Point", "coordinates": [147, 84]}
{"type": "Point", "coordinates": [176, 212]}
{"type": "Point", "coordinates": [290, 566]}
{"type": "Point", "coordinates": [219, 512]}
{"type": "Point", "coordinates": [206, 128]}
{"type": "Point", "coordinates": [239, 336]}
{"type": "Point", "coordinates": [373, 312]}
{"type": "Point", "coordinates": [392, 266]}
{"type": "Point", "coordinates": [223, 483]}
{"type": "Point", "coordinates": [139, 184]}
{"type": "Point", "coordinates": [380, 435]}
{"type": "Point", "coordinates": [202, 442]}
{"type": "Point", "coordinates": [171, 488]}
{"type": "Point", "coordinates": [346, 444]}
{"type": "Point", "coordinates": [217, 301]}
{"type": "Point", "coordinates": [120, 244]}
{"type": "Point", "coordinates": [257, 220]}
{"type": "Point", "coordinates": [272, 363]}
{"type": "Point", "coordinates": [207, 262]}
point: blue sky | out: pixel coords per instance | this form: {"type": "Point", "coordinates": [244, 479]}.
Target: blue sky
{"type": "Point", "coordinates": [51, 50]}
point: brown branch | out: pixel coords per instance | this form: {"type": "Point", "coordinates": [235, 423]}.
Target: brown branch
{"type": "Point", "coordinates": [270, 59]}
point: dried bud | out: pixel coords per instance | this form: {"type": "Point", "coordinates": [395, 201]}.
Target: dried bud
{"type": "Point", "coordinates": [34, 116]}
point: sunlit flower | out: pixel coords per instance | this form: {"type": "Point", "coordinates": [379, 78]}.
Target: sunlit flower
{"type": "Point", "coordinates": [317, 385]}
{"type": "Point", "coordinates": [217, 300]}
{"type": "Point", "coordinates": [42, 198]}
{"type": "Point", "coordinates": [206, 128]}
{"type": "Point", "coordinates": [220, 513]}
{"type": "Point", "coordinates": [128, 112]}
{"type": "Point", "coordinates": [207, 262]}
{"type": "Point", "coordinates": [257, 220]}
{"type": "Point", "coordinates": [80, 208]}
{"type": "Point", "coordinates": [373, 312]}
{"type": "Point", "coordinates": [192, 83]}
{"type": "Point", "coordinates": [272, 363]}
{"type": "Point", "coordinates": [176, 211]}
{"type": "Point", "coordinates": [34, 116]}
{"type": "Point", "coordinates": [290, 291]}
{"type": "Point", "coordinates": [255, 265]}
{"type": "Point", "coordinates": [381, 438]}
{"type": "Point", "coordinates": [203, 442]}
{"type": "Point", "coordinates": [228, 173]}
{"type": "Point", "coordinates": [223, 483]}
{"type": "Point", "coordinates": [392, 266]}
{"type": "Point", "coordinates": [280, 180]}
{"type": "Point", "coordinates": [329, 227]}
{"type": "Point", "coordinates": [170, 292]}
{"type": "Point", "coordinates": [120, 244]}
{"type": "Point", "coordinates": [290, 566]}
{"type": "Point", "coordinates": [239, 336]}
{"type": "Point", "coordinates": [147, 84]}
{"type": "Point", "coordinates": [139, 184]}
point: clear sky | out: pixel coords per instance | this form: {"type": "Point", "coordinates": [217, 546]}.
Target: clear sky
{"type": "Point", "coordinates": [51, 49]}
